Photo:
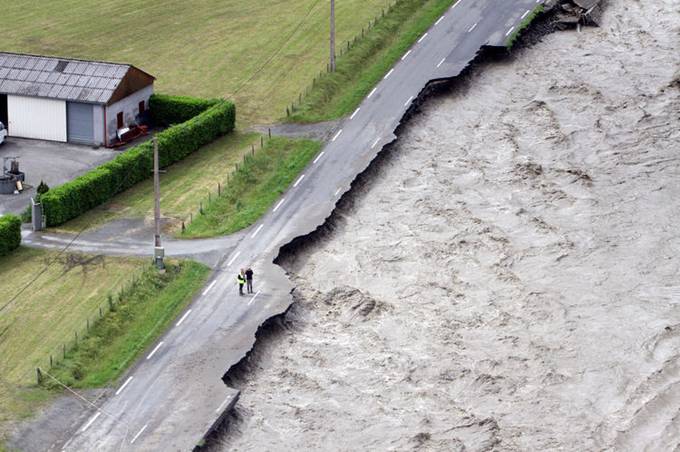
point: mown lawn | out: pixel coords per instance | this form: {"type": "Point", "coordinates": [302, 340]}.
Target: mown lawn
{"type": "Point", "coordinates": [59, 302]}
{"type": "Point", "coordinates": [183, 186]}
{"type": "Point", "coordinates": [206, 48]}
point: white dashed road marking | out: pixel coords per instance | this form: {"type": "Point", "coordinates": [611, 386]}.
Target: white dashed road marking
{"type": "Point", "coordinates": [319, 156]}
{"type": "Point", "coordinates": [388, 74]}
{"type": "Point", "coordinates": [439, 20]}
{"type": "Point", "coordinates": [92, 419]}
{"type": "Point", "coordinates": [279, 204]}
{"type": "Point", "coordinates": [139, 433]}
{"type": "Point", "coordinates": [254, 297]}
{"type": "Point", "coordinates": [259, 228]}
{"type": "Point", "coordinates": [183, 317]}
{"type": "Point", "coordinates": [337, 135]}
{"type": "Point", "coordinates": [124, 385]}
{"type": "Point", "coordinates": [509, 31]}
{"type": "Point", "coordinates": [441, 62]}
{"type": "Point", "coordinates": [297, 182]}
{"type": "Point", "coordinates": [375, 142]}
{"type": "Point", "coordinates": [472, 27]}
{"type": "Point", "coordinates": [422, 37]}
{"type": "Point", "coordinates": [526, 13]}
{"type": "Point", "coordinates": [209, 287]}
{"type": "Point", "coordinates": [355, 113]}
{"type": "Point", "coordinates": [372, 92]}
{"type": "Point", "coordinates": [405, 55]}
{"type": "Point", "coordinates": [154, 350]}
{"type": "Point", "coordinates": [408, 101]}
{"type": "Point", "coordinates": [233, 258]}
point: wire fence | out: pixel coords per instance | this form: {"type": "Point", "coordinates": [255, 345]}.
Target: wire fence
{"type": "Point", "coordinates": [344, 48]}
{"type": "Point", "coordinates": [222, 187]}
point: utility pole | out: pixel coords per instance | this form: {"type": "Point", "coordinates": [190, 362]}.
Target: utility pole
{"type": "Point", "coordinates": [158, 251]}
{"type": "Point", "coordinates": [332, 62]}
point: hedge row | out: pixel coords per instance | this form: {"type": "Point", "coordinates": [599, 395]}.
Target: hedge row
{"type": "Point", "coordinates": [97, 186]}
{"type": "Point", "coordinates": [167, 110]}
{"type": "Point", "coordinates": [10, 233]}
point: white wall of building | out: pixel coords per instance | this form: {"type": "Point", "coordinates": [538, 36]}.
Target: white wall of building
{"type": "Point", "coordinates": [35, 117]}
{"type": "Point", "coordinates": [98, 122]}
{"type": "Point", "coordinates": [130, 108]}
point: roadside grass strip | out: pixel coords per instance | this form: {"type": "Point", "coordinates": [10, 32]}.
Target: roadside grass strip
{"type": "Point", "coordinates": [254, 188]}
{"type": "Point", "coordinates": [143, 311]}
{"type": "Point", "coordinates": [337, 94]}
{"type": "Point", "coordinates": [514, 33]}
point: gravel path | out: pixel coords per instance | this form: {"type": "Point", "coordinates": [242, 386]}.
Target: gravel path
{"type": "Point", "coordinates": [507, 277]}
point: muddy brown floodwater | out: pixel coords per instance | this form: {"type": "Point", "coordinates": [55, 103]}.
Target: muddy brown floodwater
{"type": "Point", "coordinates": [507, 277]}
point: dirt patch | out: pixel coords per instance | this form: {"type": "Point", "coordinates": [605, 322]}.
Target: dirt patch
{"type": "Point", "coordinates": [506, 276]}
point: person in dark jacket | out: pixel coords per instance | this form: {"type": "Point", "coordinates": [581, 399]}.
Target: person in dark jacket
{"type": "Point", "coordinates": [241, 279]}
{"type": "Point", "coordinates": [249, 280]}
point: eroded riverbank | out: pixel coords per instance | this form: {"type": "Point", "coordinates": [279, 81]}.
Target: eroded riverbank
{"type": "Point", "coordinates": [506, 277]}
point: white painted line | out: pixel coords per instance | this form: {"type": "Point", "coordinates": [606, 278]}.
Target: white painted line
{"type": "Point", "coordinates": [388, 74]}
{"type": "Point", "coordinates": [473, 27]}
{"type": "Point", "coordinates": [254, 297]}
{"type": "Point", "coordinates": [336, 192]}
{"type": "Point", "coordinates": [355, 113]}
{"type": "Point", "coordinates": [526, 13]}
{"type": "Point", "coordinates": [375, 142]}
{"type": "Point", "coordinates": [138, 433]}
{"type": "Point", "coordinates": [183, 317]}
{"type": "Point", "coordinates": [124, 385]}
{"type": "Point", "coordinates": [154, 350]}
{"type": "Point", "coordinates": [297, 182]}
{"type": "Point", "coordinates": [372, 93]}
{"type": "Point", "coordinates": [233, 258]}
{"type": "Point", "coordinates": [509, 31]}
{"type": "Point", "coordinates": [279, 204]}
{"type": "Point", "coordinates": [439, 20]}
{"type": "Point", "coordinates": [319, 156]}
{"type": "Point", "coordinates": [441, 62]}
{"type": "Point", "coordinates": [209, 287]}
{"type": "Point", "coordinates": [257, 231]}
{"type": "Point", "coordinates": [405, 55]}
{"type": "Point", "coordinates": [408, 101]}
{"type": "Point", "coordinates": [337, 135]}
{"type": "Point", "coordinates": [422, 37]}
{"type": "Point", "coordinates": [222, 405]}
{"type": "Point", "coordinates": [92, 419]}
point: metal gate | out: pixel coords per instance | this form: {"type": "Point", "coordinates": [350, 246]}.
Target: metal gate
{"type": "Point", "coordinates": [80, 123]}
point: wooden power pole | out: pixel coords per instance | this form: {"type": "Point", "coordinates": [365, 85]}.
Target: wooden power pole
{"type": "Point", "coordinates": [332, 62]}
{"type": "Point", "coordinates": [158, 249]}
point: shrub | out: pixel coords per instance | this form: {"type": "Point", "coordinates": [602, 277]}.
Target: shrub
{"type": "Point", "coordinates": [167, 110]}
{"type": "Point", "coordinates": [10, 233]}
{"type": "Point", "coordinates": [42, 188]}
{"type": "Point", "coordinates": [93, 188]}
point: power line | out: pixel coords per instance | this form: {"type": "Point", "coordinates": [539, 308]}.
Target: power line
{"type": "Point", "coordinates": [277, 51]}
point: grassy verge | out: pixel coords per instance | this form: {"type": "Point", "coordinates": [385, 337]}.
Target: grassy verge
{"type": "Point", "coordinates": [141, 314]}
{"type": "Point", "coordinates": [523, 25]}
{"type": "Point", "coordinates": [182, 186]}
{"type": "Point", "coordinates": [361, 68]}
{"type": "Point", "coordinates": [46, 315]}
{"type": "Point", "coordinates": [253, 189]}
{"type": "Point", "coordinates": [207, 50]}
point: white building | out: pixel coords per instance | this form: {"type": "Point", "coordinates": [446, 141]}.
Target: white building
{"type": "Point", "coordinates": [70, 100]}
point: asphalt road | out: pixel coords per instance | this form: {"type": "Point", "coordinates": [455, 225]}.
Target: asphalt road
{"type": "Point", "coordinates": [174, 395]}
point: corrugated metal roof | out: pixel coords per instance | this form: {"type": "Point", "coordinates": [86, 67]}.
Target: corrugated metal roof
{"type": "Point", "coordinates": [59, 78]}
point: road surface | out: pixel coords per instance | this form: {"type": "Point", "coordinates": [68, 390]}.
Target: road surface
{"type": "Point", "coordinates": [174, 395]}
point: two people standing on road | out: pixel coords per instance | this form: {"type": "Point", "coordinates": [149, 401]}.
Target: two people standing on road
{"type": "Point", "coordinates": [245, 277]}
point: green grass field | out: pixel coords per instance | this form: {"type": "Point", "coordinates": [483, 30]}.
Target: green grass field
{"type": "Point", "coordinates": [183, 186]}
{"type": "Point", "coordinates": [255, 187]}
{"type": "Point", "coordinates": [206, 48]}
{"type": "Point", "coordinates": [59, 303]}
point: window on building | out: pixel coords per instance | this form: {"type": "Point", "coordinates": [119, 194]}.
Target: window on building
{"type": "Point", "coordinates": [141, 107]}
{"type": "Point", "coordinates": [119, 120]}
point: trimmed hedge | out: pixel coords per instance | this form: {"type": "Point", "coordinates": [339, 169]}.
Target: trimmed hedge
{"type": "Point", "coordinates": [10, 233]}
{"type": "Point", "coordinates": [167, 110]}
{"type": "Point", "coordinates": [97, 186]}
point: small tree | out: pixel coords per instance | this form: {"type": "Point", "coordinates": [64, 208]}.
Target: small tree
{"type": "Point", "coordinates": [42, 188]}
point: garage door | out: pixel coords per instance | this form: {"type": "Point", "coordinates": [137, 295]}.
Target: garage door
{"type": "Point", "coordinates": [80, 123]}
{"type": "Point", "coordinates": [33, 117]}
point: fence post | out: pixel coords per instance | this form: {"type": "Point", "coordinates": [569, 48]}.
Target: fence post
{"type": "Point", "coordinates": [64, 349]}
{"type": "Point", "coordinates": [100, 312]}
{"type": "Point", "coordinates": [287, 111]}
{"type": "Point", "coordinates": [219, 191]}
{"type": "Point", "coordinates": [209, 198]}
{"type": "Point", "coordinates": [39, 374]}
{"type": "Point", "coordinates": [183, 227]}
{"type": "Point", "coordinates": [200, 208]}
{"type": "Point", "coordinates": [76, 333]}
{"type": "Point", "coordinates": [191, 217]}
{"type": "Point", "coordinates": [88, 325]}
{"type": "Point", "coordinates": [261, 141]}
{"type": "Point", "coordinates": [270, 132]}
{"type": "Point", "coordinates": [51, 363]}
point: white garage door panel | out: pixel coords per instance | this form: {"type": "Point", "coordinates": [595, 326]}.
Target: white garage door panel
{"type": "Point", "coordinates": [32, 117]}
